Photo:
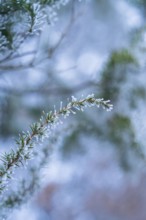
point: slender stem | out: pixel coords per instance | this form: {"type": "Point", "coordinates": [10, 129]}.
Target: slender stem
{"type": "Point", "coordinates": [40, 129]}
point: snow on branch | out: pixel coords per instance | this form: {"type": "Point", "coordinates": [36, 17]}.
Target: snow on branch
{"type": "Point", "coordinates": [40, 130]}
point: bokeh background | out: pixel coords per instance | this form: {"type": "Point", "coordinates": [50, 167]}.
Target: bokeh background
{"type": "Point", "coordinates": [96, 169]}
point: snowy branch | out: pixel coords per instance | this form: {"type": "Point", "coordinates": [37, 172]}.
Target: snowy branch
{"type": "Point", "coordinates": [40, 130]}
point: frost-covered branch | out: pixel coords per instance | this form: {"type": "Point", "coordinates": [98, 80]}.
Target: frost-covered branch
{"type": "Point", "coordinates": [40, 130]}
{"type": "Point", "coordinates": [21, 19]}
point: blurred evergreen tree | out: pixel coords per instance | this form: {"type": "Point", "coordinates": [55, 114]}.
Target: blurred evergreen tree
{"type": "Point", "coordinates": [29, 82]}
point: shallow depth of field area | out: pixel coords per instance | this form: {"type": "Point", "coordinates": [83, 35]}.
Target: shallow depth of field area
{"type": "Point", "coordinates": [72, 110]}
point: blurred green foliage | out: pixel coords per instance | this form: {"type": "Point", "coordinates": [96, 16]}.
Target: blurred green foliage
{"type": "Point", "coordinates": [115, 73]}
{"type": "Point", "coordinates": [121, 66]}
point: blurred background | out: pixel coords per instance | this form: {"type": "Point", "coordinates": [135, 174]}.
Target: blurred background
{"type": "Point", "coordinates": [96, 169]}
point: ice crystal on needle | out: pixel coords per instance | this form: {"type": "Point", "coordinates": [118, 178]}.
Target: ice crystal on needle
{"type": "Point", "coordinates": [39, 131]}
